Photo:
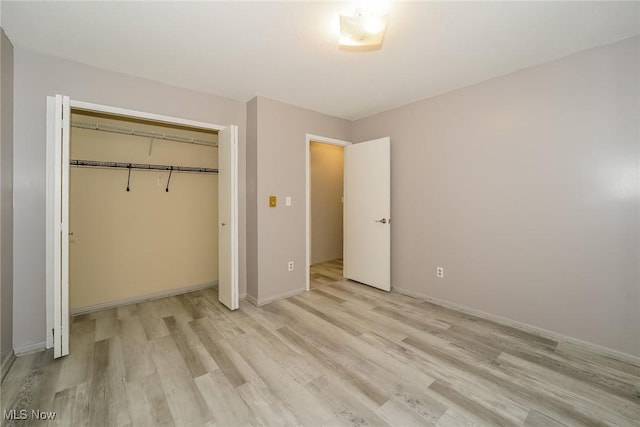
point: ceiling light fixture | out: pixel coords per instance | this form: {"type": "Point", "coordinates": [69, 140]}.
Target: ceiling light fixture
{"type": "Point", "coordinates": [363, 30]}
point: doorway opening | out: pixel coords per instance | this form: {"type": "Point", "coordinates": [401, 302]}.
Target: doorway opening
{"type": "Point", "coordinates": [326, 167]}
{"type": "Point", "coordinates": [325, 234]}
{"type": "Point", "coordinates": [366, 210]}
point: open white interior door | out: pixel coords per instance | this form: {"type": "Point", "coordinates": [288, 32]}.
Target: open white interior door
{"type": "Point", "coordinates": [57, 251]}
{"type": "Point", "coordinates": [367, 213]}
{"type": "Point", "coordinates": [228, 216]}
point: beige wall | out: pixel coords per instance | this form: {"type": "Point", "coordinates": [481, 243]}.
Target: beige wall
{"type": "Point", "coordinates": [37, 76]}
{"type": "Point", "coordinates": [326, 163]}
{"type": "Point", "coordinates": [6, 196]}
{"type": "Point", "coordinates": [279, 234]}
{"type": "Point", "coordinates": [146, 241]}
{"type": "Point", "coordinates": [525, 188]}
{"type": "Point", "coordinates": [252, 199]}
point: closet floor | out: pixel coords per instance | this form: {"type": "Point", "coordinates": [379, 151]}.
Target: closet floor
{"type": "Point", "coordinates": [343, 354]}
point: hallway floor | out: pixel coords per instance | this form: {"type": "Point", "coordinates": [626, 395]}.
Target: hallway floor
{"type": "Point", "coordinates": [325, 273]}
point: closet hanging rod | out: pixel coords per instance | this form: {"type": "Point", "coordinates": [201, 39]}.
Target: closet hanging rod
{"type": "Point", "coordinates": [143, 133]}
{"type": "Point", "coordinates": [140, 166]}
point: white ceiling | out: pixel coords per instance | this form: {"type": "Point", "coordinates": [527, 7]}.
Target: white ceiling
{"type": "Point", "coordinates": [288, 50]}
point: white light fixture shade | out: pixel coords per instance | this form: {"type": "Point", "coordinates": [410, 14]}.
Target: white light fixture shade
{"type": "Point", "coordinates": [362, 30]}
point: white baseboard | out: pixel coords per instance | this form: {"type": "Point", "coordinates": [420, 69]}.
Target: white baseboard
{"type": "Point", "coordinates": [273, 298]}
{"type": "Point", "coordinates": [7, 361]}
{"type": "Point", "coordinates": [133, 300]}
{"type": "Point", "coordinates": [29, 348]}
{"type": "Point", "coordinates": [545, 333]}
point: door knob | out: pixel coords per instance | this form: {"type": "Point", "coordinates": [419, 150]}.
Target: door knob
{"type": "Point", "coordinates": [223, 224]}
{"type": "Point", "coordinates": [383, 220]}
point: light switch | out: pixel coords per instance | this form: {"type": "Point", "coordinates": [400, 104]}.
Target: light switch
{"type": "Point", "coordinates": [287, 201]}
{"type": "Point", "coordinates": [272, 201]}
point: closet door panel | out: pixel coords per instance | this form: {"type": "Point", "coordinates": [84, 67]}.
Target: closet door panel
{"type": "Point", "coordinates": [228, 216]}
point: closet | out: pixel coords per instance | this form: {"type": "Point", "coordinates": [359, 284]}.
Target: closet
{"type": "Point", "coordinates": [143, 210]}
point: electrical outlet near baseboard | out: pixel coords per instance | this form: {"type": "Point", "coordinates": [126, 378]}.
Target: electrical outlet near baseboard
{"type": "Point", "coordinates": [290, 266]}
{"type": "Point", "coordinates": [440, 272]}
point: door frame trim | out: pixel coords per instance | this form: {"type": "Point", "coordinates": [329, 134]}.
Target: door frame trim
{"type": "Point", "coordinates": [51, 190]}
{"type": "Point", "coordinates": [324, 140]}
{"type": "Point", "coordinates": [107, 109]}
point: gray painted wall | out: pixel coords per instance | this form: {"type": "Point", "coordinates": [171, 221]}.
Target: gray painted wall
{"type": "Point", "coordinates": [525, 188]}
{"type": "Point", "coordinates": [37, 76]}
{"type": "Point", "coordinates": [252, 199]}
{"type": "Point", "coordinates": [279, 235]}
{"type": "Point", "coordinates": [6, 195]}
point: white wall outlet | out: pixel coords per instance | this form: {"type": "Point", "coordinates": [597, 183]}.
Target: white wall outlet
{"type": "Point", "coordinates": [287, 201]}
{"type": "Point", "coordinates": [440, 272]}
{"type": "Point", "coordinates": [290, 266]}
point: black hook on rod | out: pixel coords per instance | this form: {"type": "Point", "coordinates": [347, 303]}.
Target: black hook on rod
{"type": "Point", "coordinates": [169, 180]}
{"type": "Point", "coordinates": [129, 178]}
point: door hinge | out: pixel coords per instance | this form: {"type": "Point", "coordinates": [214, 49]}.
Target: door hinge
{"type": "Point", "coordinates": [61, 227]}
{"type": "Point", "coordinates": [53, 336]}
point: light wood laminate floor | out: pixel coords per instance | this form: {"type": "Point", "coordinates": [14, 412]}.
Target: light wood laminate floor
{"type": "Point", "coordinates": [325, 273]}
{"type": "Point", "coordinates": [342, 354]}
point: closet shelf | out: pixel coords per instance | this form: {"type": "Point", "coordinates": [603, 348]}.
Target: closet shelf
{"type": "Point", "coordinates": [139, 166]}
{"type": "Point", "coordinates": [143, 133]}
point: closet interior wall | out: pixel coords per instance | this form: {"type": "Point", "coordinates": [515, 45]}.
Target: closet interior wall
{"type": "Point", "coordinates": [126, 245]}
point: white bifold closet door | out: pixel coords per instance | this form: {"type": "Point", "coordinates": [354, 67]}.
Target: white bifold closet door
{"type": "Point", "coordinates": [228, 217]}
{"type": "Point", "coordinates": [57, 250]}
